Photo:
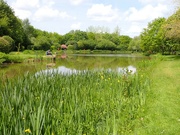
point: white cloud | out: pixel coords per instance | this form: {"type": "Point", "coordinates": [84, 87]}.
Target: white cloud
{"type": "Point", "coordinates": [147, 13]}
{"type": "Point", "coordinates": [46, 12]}
{"type": "Point", "coordinates": [76, 26]}
{"type": "Point", "coordinates": [139, 18]}
{"type": "Point", "coordinates": [48, 2]}
{"type": "Point", "coordinates": [23, 4]}
{"type": "Point", "coordinates": [76, 2]}
{"type": "Point", "coordinates": [100, 12]}
{"type": "Point", "coordinates": [135, 28]}
{"type": "Point", "coordinates": [23, 14]}
{"type": "Point", "coordinates": [152, 1]}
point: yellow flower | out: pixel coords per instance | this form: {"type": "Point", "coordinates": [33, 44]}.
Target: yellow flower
{"type": "Point", "coordinates": [27, 131]}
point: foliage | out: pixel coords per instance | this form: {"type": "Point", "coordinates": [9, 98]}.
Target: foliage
{"type": "Point", "coordinates": [2, 57]}
{"type": "Point", "coordinates": [10, 42]}
{"type": "Point", "coordinates": [150, 36]}
{"type": "Point", "coordinates": [42, 43]}
{"type": "Point", "coordinates": [134, 45]}
{"type": "Point", "coordinates": [171, 30]}
{"type": "Point", "coordinates": [10, 24]}
{"type": "Point", "coordinates": [124, 42]}
{"type": "Point", "coordinates": [4, 45]}
{"type": "Point", "coordinates": [86, 44]}
{"type": "Point", "coordinates": [105, 45]}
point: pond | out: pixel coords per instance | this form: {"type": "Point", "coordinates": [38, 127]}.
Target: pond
{"type": "Point", "coordinates": [76, 62]}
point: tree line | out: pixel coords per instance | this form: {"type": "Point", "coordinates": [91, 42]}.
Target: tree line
{"type": "Point", "coordinates": [161, 35]}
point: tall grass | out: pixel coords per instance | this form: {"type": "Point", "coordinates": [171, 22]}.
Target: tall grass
{"type": "Point", "coordinates": [93, 102]}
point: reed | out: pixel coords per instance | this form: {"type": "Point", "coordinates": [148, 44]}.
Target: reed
{"type": "Point", "coordinates": [91, 102]}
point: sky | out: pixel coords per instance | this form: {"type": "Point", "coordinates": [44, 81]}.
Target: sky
{"type": "Point", "coordinates": [62, 16]}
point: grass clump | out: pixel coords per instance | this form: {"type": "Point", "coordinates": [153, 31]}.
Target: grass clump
{"type": "Point", "coordinates": [91, 102]}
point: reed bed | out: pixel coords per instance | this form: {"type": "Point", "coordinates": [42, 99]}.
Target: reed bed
{"type": "Point", "coordinates": [85, 103]}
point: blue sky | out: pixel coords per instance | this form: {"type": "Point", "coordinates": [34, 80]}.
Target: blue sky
{"type": "Point", "coordinates": [61, 16]}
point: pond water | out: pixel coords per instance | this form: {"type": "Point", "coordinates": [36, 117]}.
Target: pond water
{"type": "Point", "coordinates": [74, 63]}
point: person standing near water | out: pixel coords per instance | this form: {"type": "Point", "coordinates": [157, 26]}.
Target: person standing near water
{"type": "Point", "coordinates": [48, 52]}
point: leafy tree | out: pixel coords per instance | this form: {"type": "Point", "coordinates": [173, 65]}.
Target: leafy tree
{"type": "Point", "coordinates": [117, 31]}
{"type": "Point", "coordinates": [78, 35]}
{"type": "Point", "coordinates": [150, 36]}
{"type": "Point", "coordinates": [98, 29]}
{"type": "Point", "coordinates": [67, 37]}
{"type": "Point", "coordinates": [29, 30]}
{"type": "Point", "coordinates": [91, 35]}
{"type": "Point", "coordinates": [124, 42]}
{"type": "Point", "coordinates": [42, 43]}
{"type": "Point", "coordinates": [105, 45]}
{"type": "Point", "coordinates": [172, 32]}
{"type": "Point", "coordinates": [87, 44]}
{"type": "Point", "coordinates": [134, 45]}
{"type": "Point", "coordinates": [10, 42]}
{"type": "Point", "coordinates": [9, 24]}
{"type": "Point", "coordinates": [4, 45]}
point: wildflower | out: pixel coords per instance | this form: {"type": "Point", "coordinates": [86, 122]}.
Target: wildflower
{"type": "Point", "coordinates": [118, 81]}
{"type": "Point", "coordinates": [102, 77]}
{"type": "Point", "coordinates": [27, 131]}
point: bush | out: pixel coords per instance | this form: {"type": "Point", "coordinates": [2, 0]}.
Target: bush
{"type": "Point", "coordinates": [4, 45]}
{"type": "Point", "coordinates": [14, 59]}
{"type": "Point", "coordinates": [10, 41]}
{"type": "Point", "coordinates": [2, 57]}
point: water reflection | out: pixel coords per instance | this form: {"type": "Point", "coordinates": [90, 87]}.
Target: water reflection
{"type": "Point", "coordinates": [72, 64]}
{"type": "Point", "coordinates": [68, 71]}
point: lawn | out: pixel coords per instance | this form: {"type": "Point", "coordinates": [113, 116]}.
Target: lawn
{"type": "Point", "coordinates": [163, 100]}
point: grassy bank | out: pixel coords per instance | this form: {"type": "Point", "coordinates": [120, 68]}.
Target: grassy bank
{"type": "Point", "coordinates": [163, 102]}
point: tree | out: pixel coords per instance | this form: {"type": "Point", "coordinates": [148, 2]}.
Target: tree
{"type": "Point", "coordinates": [28, 28]}
{"type": "Point", "coordinates": [171, 33]}
{"type": "Point", "coordinates": [117, 31]}
{"type": "Point", "coordinates": [124, 42]}
{"type": "Point", "coordinates": [134, 45]}
{"type": "Point", "coordinates": [105, 44]}
{"type": "Point", "coordinates": [9, 24]}
{"type": "Point", "coordinates": [11, 42]}
{"type": "Point", "coordinates": [87, 44]}
{"type": "Point", "coordinates": [42, 43]}
{"type": "Point", "coordinates": [172, 26]}
{"type": "Point", "coordinates": [78, 35]}
{"type": "Point", "coordinates": [150, 36]}
{"type": "Point", "coordinates": [98, 29]}
{"type": "Point", "coordinates": [6, 44]}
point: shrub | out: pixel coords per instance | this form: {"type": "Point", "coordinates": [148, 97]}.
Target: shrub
{"type": "Point", "coordinates": [10, 41]}
{"type": "Point", "coordinates": [4, 45]}
{"type": "Point", "coordinates": [2, 57]}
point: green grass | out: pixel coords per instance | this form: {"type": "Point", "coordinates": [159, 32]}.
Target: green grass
{"type": "Point", "coordinates": [163, 102]}
{"type": "Point", "coordinates": [94, 102]}
{"type": "Point", "coordinates": [85, 103]}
